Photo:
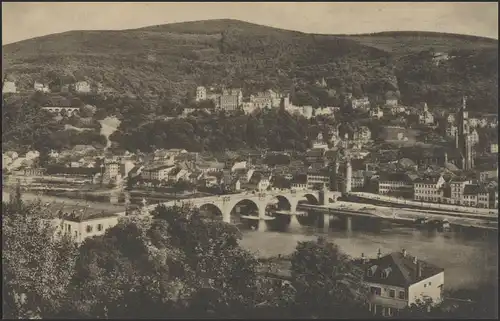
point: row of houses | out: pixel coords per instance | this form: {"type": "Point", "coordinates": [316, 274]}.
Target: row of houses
{"type": "Point", "coordinates": [79, 87]}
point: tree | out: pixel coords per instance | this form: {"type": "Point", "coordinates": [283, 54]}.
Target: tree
{"type": "Point", "coordinates": [328, 283]}
{"type": "Point", "coordinates": [37, 266]}
{"type": "Point", "coordinates": [226, 291]}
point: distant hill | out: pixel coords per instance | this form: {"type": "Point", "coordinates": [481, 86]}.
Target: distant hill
{"type": "Point", "coordinates": [173, 59]}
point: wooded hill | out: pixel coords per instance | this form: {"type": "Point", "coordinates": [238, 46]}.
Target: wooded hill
{"type": "Point", "coordinates": [173, 59]}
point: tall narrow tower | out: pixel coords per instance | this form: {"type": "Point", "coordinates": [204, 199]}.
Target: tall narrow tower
{"type": "Point", "coordinates": [463, 141]}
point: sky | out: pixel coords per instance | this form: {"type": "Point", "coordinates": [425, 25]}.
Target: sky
{"type": "Point", "coordinates": [24, 20]}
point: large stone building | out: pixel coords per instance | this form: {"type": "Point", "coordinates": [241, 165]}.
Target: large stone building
{"type": "Point", "coordinates": [231, 99]}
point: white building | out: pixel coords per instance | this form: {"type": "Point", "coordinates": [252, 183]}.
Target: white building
{"type": "Point", "coordinates": [428, 190]}
{"type": "Point", "coordinates": [425, 117]}
{"type": "Point", "coordinates": [9, 87]}
{"type": "Point", "coordinates": [494, 148]}
{"type": "Point", "coordinates": [82, 87]}
{"type": "Point", "coordinates": [59, 110]}
{"type": "Point", "coordinates": [201, 93]}
{"type": "Point", "coordinates": [41, 87]}
{"type": "Point", "coordinates": [376, 112]}
{"type": "Point", "coordinates": [80, 226]}
{"type": "Point", "coordinates": [398, 280]}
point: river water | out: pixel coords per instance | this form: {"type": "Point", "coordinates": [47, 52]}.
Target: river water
{"type": "Point", "coordinates": [468, 260]}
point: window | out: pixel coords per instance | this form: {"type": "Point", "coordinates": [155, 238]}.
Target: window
{"type": "Point", "coordinates": [369, 272]}
{"type": "Point", "coordinates": [392, 293]}
{"type": "Point", "coordinates": [89, 228]}
{"type": "Point", "coordinates": [99, 227]}
{"type": "Point", "coordinates": [401, 295]}
{"type": "Point", "coordinates": [375, 290]}
{"type": "Point", "coordinates": [430, 283]}
{"type": "Point", "coordinates": [425, 285]}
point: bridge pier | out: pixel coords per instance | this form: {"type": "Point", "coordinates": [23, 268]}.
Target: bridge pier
{"type": "Point", "coordinates": [348, 223]}
{"type": "Point", "coordinates": [262, 225]}
{"type": "Point", "coordinates": [326, 221]}
{"type": "Point", "coordinates": [294, 222]}
{"type": "Point", "coordinates": [226, 216]}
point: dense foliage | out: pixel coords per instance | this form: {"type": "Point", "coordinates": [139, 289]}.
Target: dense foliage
{"type": "Point", "coordinates": [172, 59]}
{"type": "Point", "coordinates": [275, 129]}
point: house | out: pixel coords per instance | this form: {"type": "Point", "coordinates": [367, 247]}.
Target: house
{"type": "Point", "coordinates": [361, 103]}
{"type": "Point", "coordinates": [41, 87]}
{"type": "Point", "coordinates": [429, 189]}
{"type": "Point", "coordinates": [455, 191]}
{"type": "Point", "coordinates": [266, 99]}
{"type": "Point", "coordinates": [201, 93]}
{"type": "Point", "coordinates": [397, 184]}
{"type": "Point", "coordinates": [450, 119]}
{"type": "Point", "coordinates": [494, 198]}
{"type": "Point", "coordinates": [451, 130]}
{"type": "Point", "coordinates": [324, 111]}
{"type": "Point", "coordinates": [239, 165]}
{"type": "Point", "coordinates": [81, 225]}
{"type": "Point", "coordinates": [474, 137]}
{"type": "Point", "coordinates": [376, 112]}
{"type": "Point", "coordinates": [306, 111]}
{"type": "Point", "coordinates": [82, 87]}
{"type": "Point", "coordinates": [210, 166]}
{"type": "Point", "coordinates": [318, 179]}
{"type": "Point", "coordinates": [494, 148]}
{"type": "Point", "coordinates": [260, 181]}
{"type": "Point", "coordinates": [362, 135]}
{"type": "Point", "coordinates": [475, 195]}
{"type": "Point", "coordinates": [425, 117]}
{"type": "Point", "coordinates": [391, 102]}
{"type": "Point", "coordinates": [156, 173]}
{"type": "Point", "coordinates": [9, 87]}
{"type": "Point", "coordinates": [176, 174]}
{"type": "Point", "coordinates": [230, 183]}
{"type": "Point", "coordinates": [248, 107]}
{"type": "Point", "coordinates": [299, 182]}
{"type": "Point", "coordinates": [397, 280]}
{"type": "Point", "coordinates": [319, 143]}
{"type": "Point", "coordinates": [358, 180]}
{"type": "Point", "coordinates": [315, 155]}
{"type": "Point", "coordinates": [231, 99]}
{"type": "Point", "coordinates": [69, 111]}
{"type": "Point", "coordinates": [32, 154]}
{"type": "Point", "coordinates": [473, 122]}
{"type": "Point", "coordinates": [244, 174]}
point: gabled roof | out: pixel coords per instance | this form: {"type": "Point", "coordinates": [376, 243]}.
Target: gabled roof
{"type": "Point", "coordinates": [474, 189]}
{"type": "Point", "coordinates": [402, 269]}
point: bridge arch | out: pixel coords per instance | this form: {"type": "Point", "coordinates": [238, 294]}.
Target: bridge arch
{"type": "Point", "coordinates": [310, 198]}
{"type": "Point", "coordinates": [211, 210]}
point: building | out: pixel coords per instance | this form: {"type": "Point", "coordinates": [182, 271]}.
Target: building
{"type": "Point", "coordinates": [362, 135]}
{"type": "Point", "coordinates": [41, 87]}
{"type": "Point", "coordinates": [429, 189]}
{"type": "Point", "coordinates": [425, 117]}
{"type": "Point", "coordinates": [266, 99]}
{"type": "Point", "coordinates": [391, 102]}
{"type": "Point", "coordinates": [153, 173]}
{"type": "Point", "coordinates": [248, 107]}
{"type": "Point", "coordinates": [361, 103]}
{"type": "Point", "coordinates": [396, 184]}
{"type": "Point", "coordinates": [82, 87]}
{"type": "Point", "coordinates": [358, 180]}
{"type": "Point", "coordinates": [463, 141]}
{"type": "Point", "coordinates": [9, 87]}
{"type": "Point", "coordinates": [80, 226]}
{"type": "Point", "coordinates": [398, 280]}
{"type": "Point", "coordinates": [231, 99]}
{"type": "Point", "coordinates": [451, 131]}
{"type": "Point", "coordinates": [455, 191]}
{"type": "Point", "coordinates": [318, 179]}
{"type": "Point", "coordinates": [473, 122]}
{"type": "Point", "coordinates": [475, 195]}
{"type": "Point", "coordinates": [376, 112]}
{"type": "Point", "coordinates": [69, 111]}
{"type": "Point", "coordinates": [450, 119]}
{"type": "Point", "coordinates": [494, 148]}
{"type": "Point", "coordinates": [201, 93]}
{"type": "Point", "coordinates": [325, 111]}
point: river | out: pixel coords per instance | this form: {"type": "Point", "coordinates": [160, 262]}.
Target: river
{"type": "Point", "coordinates": [467, 260]}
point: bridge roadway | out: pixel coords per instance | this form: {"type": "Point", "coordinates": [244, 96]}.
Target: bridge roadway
{"type": "Point", "coordinates": [401, 215]}
{"type": "Point", "coordinates": [424, 205]}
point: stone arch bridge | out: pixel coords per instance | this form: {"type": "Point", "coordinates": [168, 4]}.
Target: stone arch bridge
{"type": "Point", "coordinates": [288, 200]}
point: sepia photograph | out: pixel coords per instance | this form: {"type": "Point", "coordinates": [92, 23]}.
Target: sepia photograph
{"type": "Point", "coordinates": [254, 160]}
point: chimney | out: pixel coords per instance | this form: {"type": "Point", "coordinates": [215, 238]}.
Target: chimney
{"type": "Point", "coordinates": [419, 270]}
{"type": "Point", "coordinates": [379, 254]}
{"type": "Point", "coordinates": [403, 251]}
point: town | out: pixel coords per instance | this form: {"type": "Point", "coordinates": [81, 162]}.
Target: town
{"type": "Point", "coordinates": [229, 174]}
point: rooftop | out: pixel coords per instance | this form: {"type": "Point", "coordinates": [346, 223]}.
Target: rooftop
{"type": "Point", "coordinates": [401, 269]}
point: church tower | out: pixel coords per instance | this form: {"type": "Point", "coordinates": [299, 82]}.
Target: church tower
{"type": "Point", "coordinates": [463, 140]}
